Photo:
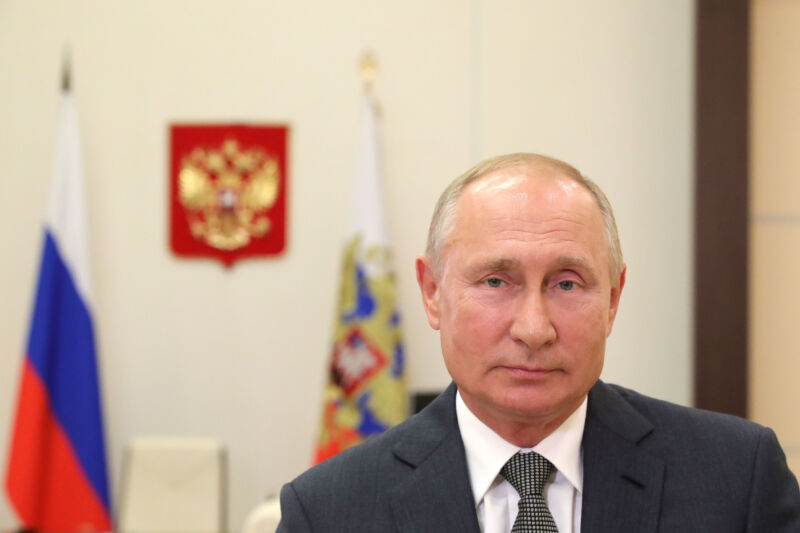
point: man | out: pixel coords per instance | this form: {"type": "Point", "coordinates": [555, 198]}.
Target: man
{"type": "Point", "coordinates": [522, 277]}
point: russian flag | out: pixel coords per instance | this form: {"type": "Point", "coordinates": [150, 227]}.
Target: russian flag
{"type": "Point", "coordinates": [56, 478]}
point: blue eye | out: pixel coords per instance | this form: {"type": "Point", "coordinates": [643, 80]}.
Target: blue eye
{"type": "Point", "coordinates": [566, 285]}
{"type": "Point", "coordinates": [495, 283]}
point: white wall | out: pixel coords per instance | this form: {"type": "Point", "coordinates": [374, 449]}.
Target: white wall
{"type": "Point", "coordinates": [188, 347]}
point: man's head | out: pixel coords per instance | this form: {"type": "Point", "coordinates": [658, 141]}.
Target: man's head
{"type": "Point", "coordinates": [522, 276]}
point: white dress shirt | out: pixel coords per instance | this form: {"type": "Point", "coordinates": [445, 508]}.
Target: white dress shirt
{"type": "Point", "coordinates": [495, 499]}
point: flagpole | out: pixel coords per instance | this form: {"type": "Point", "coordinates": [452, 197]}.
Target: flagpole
{"type": "Point", "coordinates": [368, 67]}
{"type": "Point", "coordinates": [368, 70]}
{"type": "Point", "coordinates": [66, 74]}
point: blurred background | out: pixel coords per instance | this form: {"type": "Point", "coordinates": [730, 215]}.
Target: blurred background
{"type": "Point", "coordinates": [188, 347]}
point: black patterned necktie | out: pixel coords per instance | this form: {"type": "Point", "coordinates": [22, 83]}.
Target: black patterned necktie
{"type": "Point", "coordinates": [527, 473]}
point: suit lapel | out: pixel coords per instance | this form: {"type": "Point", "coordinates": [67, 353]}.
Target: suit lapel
{"type": "Point", "coordinates": [622, 484]}
{"type": "Point", "coordinates": [436, 495]}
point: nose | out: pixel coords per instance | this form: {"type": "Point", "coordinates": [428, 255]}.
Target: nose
{"type": "Point", "coordinates": [532, 324]}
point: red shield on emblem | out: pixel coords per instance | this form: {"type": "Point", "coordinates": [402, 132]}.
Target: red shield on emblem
{"type": "Point", "coordinates": [228, 191]}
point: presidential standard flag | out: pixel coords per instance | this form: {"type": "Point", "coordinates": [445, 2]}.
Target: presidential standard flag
{"type": "Point", "coordinates": [366, 391]}
{"type": "Point", "coordinates": [56, 478]}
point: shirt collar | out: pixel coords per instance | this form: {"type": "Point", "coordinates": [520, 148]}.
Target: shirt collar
{"type": "Point", "coordinates": [487, 451]}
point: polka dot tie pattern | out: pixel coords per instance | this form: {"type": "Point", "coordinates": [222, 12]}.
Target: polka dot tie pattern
{"type": "Point", "coordinates": [527, 473]}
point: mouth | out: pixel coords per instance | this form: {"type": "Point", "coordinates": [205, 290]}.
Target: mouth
{"type": "Point", "coordinates": [527, 372]}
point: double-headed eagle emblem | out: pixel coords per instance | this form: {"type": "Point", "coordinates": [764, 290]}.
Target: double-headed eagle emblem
{"type": "Point", "coordinates": [226, 193]}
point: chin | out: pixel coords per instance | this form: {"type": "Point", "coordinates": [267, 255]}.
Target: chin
{"type": "Point", "coordinates": [557, 398]}
{"type": "Point", "coordinates": [529, 404]}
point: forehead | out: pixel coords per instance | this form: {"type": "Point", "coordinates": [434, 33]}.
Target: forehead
{"type": "Point", "coordinates": [535, 194]}
{"type": "Point", "coordinates": [537, 207]}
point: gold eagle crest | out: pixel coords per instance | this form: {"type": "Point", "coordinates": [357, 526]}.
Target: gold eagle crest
{"type": "Point", "coordinates": [226, 194]}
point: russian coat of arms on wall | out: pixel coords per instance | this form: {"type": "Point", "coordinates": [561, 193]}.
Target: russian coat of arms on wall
{"type": "Point", "coordinates": [228, 191]}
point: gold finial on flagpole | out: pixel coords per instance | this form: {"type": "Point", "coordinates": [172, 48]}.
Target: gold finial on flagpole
{"type": "Point", "coordinates": [66, 75]}
{"type": "Point", "coordinates": [368, 67]}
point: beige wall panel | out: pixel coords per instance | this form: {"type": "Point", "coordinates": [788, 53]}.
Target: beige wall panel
{"type": "Point", "coordinates": [775, 114]}
{"type": "Point", "coordinates": [793, 458]}
{"type": "Point", "coordinates": [606, 86]}
{"type": "Point", "coordinates": [775, 225]}
{"type": "Point", "coordinates": [775, 344]}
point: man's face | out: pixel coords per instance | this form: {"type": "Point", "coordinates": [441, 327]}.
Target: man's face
{"type": "Point", "coordinates": [523, 297]}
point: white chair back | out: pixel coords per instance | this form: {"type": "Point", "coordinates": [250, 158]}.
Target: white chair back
{"type": "Point", "coordinates": [173, 485]}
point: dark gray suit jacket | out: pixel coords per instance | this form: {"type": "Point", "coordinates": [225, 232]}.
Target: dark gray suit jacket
{"type": "Point", "coordinates": [648, 466]}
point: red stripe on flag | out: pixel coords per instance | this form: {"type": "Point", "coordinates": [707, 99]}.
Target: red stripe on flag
{"type": "Point", "coordinates": [45, 482]}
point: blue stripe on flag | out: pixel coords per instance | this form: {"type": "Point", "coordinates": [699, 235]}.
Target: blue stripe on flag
{"type": "Point", "coordinates": [61, 348]}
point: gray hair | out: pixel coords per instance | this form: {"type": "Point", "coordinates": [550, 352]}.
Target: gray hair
{"type": "Point", "coordinates": [443, 215]}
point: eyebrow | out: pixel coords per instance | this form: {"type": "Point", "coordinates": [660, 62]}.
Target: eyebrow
{"type": "Point", "coordinates": [571, 262]}
{"type": "Point", "coordinates": [504, 263]}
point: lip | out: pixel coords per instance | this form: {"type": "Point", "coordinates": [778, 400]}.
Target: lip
{"type": "Point", "coordinates": [524, 372]}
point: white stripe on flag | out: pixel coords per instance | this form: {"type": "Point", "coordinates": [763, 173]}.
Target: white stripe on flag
{"type": "Point", "coordinates": [66, 214]}
{"type": "Point", "coordinates": [367, 209]}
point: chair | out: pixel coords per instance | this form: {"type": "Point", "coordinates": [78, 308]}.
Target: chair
{"type": "Point", "coordinates": [173, 485]}
{"type": "Point", "coordinates": [264, 517]}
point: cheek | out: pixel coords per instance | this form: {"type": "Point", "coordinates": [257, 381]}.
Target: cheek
{"type": "Point", "coordinates": [478, 325]}
{"type": "Point", "coordinates": [459, 310]}
{"type": "Point", "coordinates": [583, 324]}
{"type": "Point", "coordinates": [469, 334]}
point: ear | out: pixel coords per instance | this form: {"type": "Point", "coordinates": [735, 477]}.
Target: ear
{"type": "Point", "coordinates": [616, 292]}
{"type": "Point", "coordinates": [429, 287]}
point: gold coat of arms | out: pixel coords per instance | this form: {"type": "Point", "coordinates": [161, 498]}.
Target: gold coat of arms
{"type": "Point", "coordinates": [228, 188]}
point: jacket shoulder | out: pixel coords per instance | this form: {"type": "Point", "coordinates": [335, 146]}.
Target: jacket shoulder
{"type": "Point", "coordinates": [357, 480]}
{"type": "Point", "coordinates": [720, 472]}
{"type": "Point", "coordinates": [409, 441]}
{"type": "Point", "coordinates": [721, 458]}
{"type": "Point", "coordinates": [690, 420]}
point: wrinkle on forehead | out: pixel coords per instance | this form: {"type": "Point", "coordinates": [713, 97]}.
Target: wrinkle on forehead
{"type": "Point", "coordinates": [568, 220]}
{"type": "Point", "coordinates": [564, 225]}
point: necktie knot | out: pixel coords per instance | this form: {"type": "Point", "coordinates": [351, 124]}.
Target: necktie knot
{"type": "Point", "coordinates": [527, 472]}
